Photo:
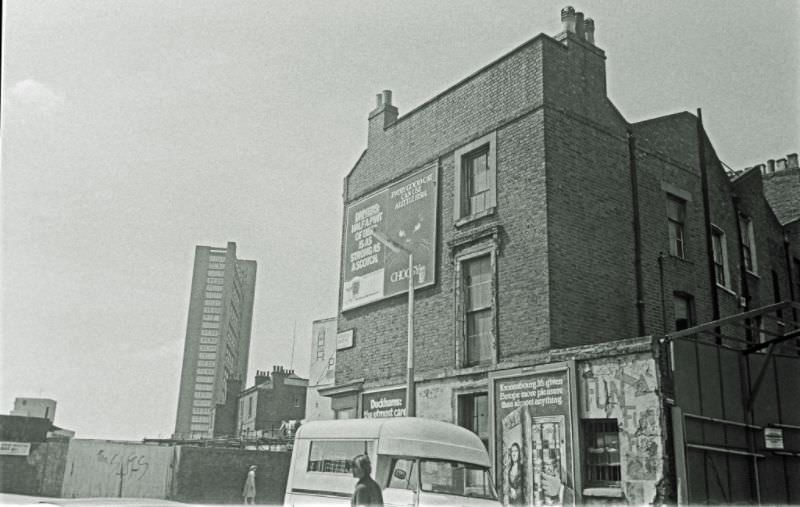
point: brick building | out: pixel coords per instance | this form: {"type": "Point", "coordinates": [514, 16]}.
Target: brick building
{"type": "Point", "coordinates": [272, 400]}
{"type": "Point", "coordinates": [556, 249]}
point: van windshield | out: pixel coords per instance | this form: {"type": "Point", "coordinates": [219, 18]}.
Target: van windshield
{"type": "Point", "coordinates": [454, 478]}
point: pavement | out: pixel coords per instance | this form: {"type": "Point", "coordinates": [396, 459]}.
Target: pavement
{"type": "Point", "coordinates": [11, 499]}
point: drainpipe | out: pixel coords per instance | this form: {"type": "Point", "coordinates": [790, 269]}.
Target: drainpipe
{"type": "Point", "coordinates": [791, 274]}
{"type": "Point", "coordinates": [637, 234]}
{"type": "Point", "coordinates": [661, 282]}
{"type": "Point", "coordinates": [701, 147]}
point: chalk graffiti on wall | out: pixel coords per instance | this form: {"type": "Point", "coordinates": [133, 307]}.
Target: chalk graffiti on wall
{"type": "Point", "coordinates": [624, 388]}
{"type": "Point", "coordinates": [134, 466]}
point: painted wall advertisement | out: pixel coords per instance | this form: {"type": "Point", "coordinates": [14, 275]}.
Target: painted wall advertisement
{"type": "Point", "coordinates": [534, 432]}
{"type": "Point", "coordinates": [381, 404]}
{"type": "Point", "coordinates": [406, 213]}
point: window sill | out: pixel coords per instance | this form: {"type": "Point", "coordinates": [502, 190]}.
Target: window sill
{"type": "Point", "coordinates": [677, 258]}
{"type": "Point", "coordinates": [726, 289]}
{"type": "Point", "coordinates": [475, 368]}
{"type": "Point", "coordinates": [752, 273]}
{"type": "Point", "coordinates": [607, 492]}
{"type": "Point", "coordinates": [471, 218]}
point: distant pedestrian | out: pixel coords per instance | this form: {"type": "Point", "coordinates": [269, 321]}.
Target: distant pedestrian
{"type": "Point", "coordinates": [367, 492]}
{"type": "Point", "coordinates": [249, 492]}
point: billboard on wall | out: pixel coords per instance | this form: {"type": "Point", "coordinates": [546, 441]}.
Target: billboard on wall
{"type": "Point", "coordinates": [534, 437]}
{"type": "Point", "coordinates": [406, 213]}
{"type": "Point", "coordinates": [391, 403]}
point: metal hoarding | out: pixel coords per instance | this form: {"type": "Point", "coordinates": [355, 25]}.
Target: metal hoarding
{"type": "Point", "coordinates": [406, 213]}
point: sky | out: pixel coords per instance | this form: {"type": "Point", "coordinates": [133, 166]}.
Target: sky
{"type": "Point", "coordinates": [134, 130]}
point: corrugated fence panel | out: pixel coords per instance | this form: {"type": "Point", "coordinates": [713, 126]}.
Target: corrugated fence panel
{"type": "Point", "coordinates": [100, 468]}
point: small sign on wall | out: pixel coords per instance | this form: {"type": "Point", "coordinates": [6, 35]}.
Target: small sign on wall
{"type": "Point", "coordinates": [15, 448]}
{"type": "Point", "coordinates": [391, 403]}
{"type": "Point", "coordinates": [344, 340]}
{"type": "Point", "coordinates": [773, 438]}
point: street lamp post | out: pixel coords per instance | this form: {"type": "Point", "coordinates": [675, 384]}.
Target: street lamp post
{"type": "Point", "coordinates": [410, 388]}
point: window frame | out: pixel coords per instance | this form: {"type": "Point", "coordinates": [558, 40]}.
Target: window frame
{"type": "Point", "coordinates": [462, 342]}
{"type": "Point", "coordinates": [717, 251]}
{"type": "Point", "coordinates": [677, 240]}
{"type": "Point", "coordinates": [615, 469]}
{"type": "Point", "coordinates": [341, 466]}
{"type": "Point", "coordinates": [690, 310]}
{"type": "Point", "coordinates": [748, 244]}
{"type": "Point", "coordinates": [474, 186]}
{"type": "Point", "coordinates": [465, 409]}
{"type": "Point", "coordinates": [486, 144]}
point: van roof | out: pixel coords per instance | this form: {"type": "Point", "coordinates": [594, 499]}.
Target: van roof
{"type": "Point", "coordinates": [404, 436]}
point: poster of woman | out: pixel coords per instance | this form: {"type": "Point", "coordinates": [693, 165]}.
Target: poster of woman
{"type": "Point", "coordinates": [513, 478]}
{"type": "Point", "coordinates": [516, 490]}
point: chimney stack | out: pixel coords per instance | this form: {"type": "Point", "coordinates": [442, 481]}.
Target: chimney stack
{"type": "Point", "coordinates": [588, 27]}
{"type": "Point", "coordinates": [791, 161]}
{"type": "Point", "coordinates": [261, 377]}
{"type": "Point", "coordinates": [579, 28]}
{"type": "Point", "coordinates": [384, 114]}
{"type": "Point", "coordinates": [568, 19]}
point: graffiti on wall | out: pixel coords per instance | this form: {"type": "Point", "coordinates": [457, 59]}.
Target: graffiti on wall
{"type": "Point", "coordinates": [102, 468]}
{"type": "Point", "coordinates": [624, 388]}
{"type": "Point", "coordinates": [133, 466]}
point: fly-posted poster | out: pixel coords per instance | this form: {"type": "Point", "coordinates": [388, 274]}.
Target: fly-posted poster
{"type": "Point", "coordinates": [405, 212]}
{"type": "Point", "coordinates": [534, 438]}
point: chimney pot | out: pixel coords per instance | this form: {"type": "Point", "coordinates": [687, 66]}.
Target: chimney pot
{"type": "Point", "coordinates": [379, 100]}
{"type": "Point", "coordinates": [387, 97]}
{"type": "Point", "coordinates": [588, 27]}
{"type": "Point", "coordinates": [771, 166]}
{"type": "Point", "coordinates": [568, 19]}
{"type": "Point", "coordinates": [780, 164]}
{"type": "Point", "coordinates": [762, 168]}
{"type": "Point", "coordinates": [579, 31]}
{"type": "Point", "coordinates": [791, 161]}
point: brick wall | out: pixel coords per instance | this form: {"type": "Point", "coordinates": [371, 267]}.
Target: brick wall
{"type": "Point", "coordinates": [216, 476]}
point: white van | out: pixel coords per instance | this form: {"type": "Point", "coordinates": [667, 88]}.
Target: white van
{"type": "Point", "coordinates": [416, 461]}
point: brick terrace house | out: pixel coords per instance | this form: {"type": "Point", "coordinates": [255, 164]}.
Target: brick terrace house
{"type": "Point", "coordinates": [559, 252]}
{"type": "Point", "coordinates": [271, 400]}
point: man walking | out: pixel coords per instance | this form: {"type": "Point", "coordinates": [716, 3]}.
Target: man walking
{"type": "Point", "coordinates": [367, 492]}
{"type": "Point", "coordinates": [249, 492]}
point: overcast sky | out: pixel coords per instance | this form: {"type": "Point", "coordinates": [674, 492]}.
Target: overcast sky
{"type": "Point", "coordinates": [134, 130]}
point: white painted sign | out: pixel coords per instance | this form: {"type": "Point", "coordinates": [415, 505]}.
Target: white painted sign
{"type": "Point", "coordinates": [15, 448]}
{"type": "Point", "coordinates": [773, 438]}
{"type": "Point", "coordinates": [344, 340]}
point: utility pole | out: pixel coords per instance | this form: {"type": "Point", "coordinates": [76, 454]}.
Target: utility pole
{"type": "Point", "coordinates": [410, 387]}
